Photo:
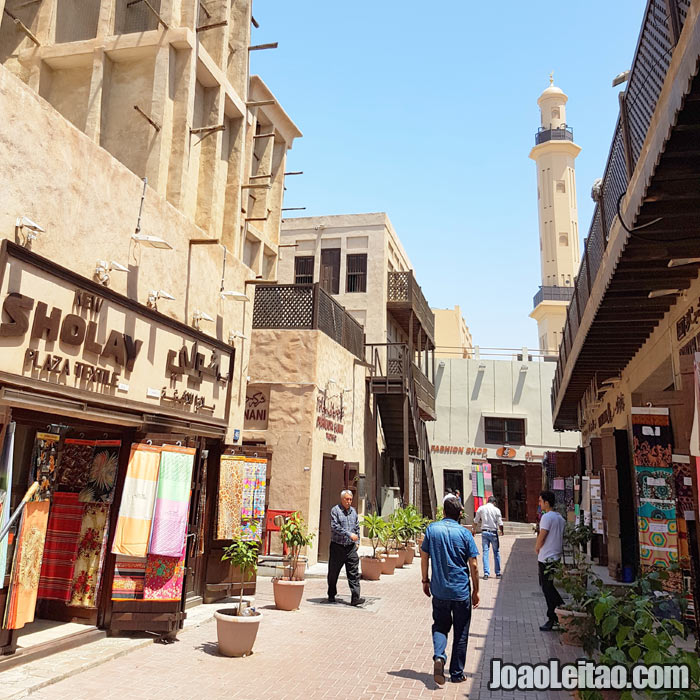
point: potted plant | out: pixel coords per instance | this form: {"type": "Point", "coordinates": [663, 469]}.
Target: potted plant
{"type": "Point", "coordinates": [575, 616]}
{"type": "Point", "coordinates": [577, 537]}
{"type": "Point", "coordinates": [237, 628]}
{"type": "Point", "coordinates": [372, 566]}
{"type": "Point", "coordinates": [391, 558]}
{"type": "Point", "coordinates": [289, 589]}
{"type": "Point", "coordinates": [395, 526]}
{"type": "Point", "coordinates": [411, 527]}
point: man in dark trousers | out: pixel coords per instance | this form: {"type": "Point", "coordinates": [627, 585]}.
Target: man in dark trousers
{"type": "Point", "coordinates": [452, 553]}
{"type": "Point", "coordinates": [345, 539]}
{"type": "Point", "coordinates": [549, 547]}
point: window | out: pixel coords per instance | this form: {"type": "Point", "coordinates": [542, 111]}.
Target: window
{"type": "Point", "coordinates": [330, 270]}
{"type": "Point", "coordinates": [561, 186]}
{"type": "Point", "coordinates": [304, 269]}
{"type": "Point", "coordinates": [356, 265]}
{"type": "Point", "coordinates": [556, 114]}
{"type": "Point", "coordinates": [505, 431]}
{"type": "Point", "coordinates": [563, 239]}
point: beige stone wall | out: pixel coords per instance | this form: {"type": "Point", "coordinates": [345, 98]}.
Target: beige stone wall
{"type": "Point", "coordinates": [452, 336]}
{"type": "Point", "coordinates": [88, 202]}
{"type": "Point", "coordinates": [308, 361]}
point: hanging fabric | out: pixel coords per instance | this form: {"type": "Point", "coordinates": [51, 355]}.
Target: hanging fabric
{"type": "Point", "coordinates": [102, 475]}
{"type": "Point", "coordinates": [138, 497]}
{"type": "Point", "coordinates": [61, 548]}
{"type": "Point", "coordinates": [6, 458]}
{"type": "Point", "coordinates": [253, 501]}
{"type": "Point", "coordinates": [129, 578]}
{"type": "Point", "coordinates": [164, 577]}
{"type": "Point", "coordinates": [230, 497]}
{"type": "Point", "coordinates": [73, 468]}
{"type": "Point", "coordinates": [26, 566]}
{"type": "Point", "coordinates": [92, 543]}
{"type": "Point", "coordinates": [44, 463]}
{"type": "Point", "coordinates": [172, 501]}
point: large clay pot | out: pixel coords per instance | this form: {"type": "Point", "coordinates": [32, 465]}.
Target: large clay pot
{"type": "Point", "coordinates": [410, 553]}
{"type": "Point", "coordinates": [288, 594]}
{"type": "Point", "coordinates": [390, 563]}
{"type": "Point", "coordinates": [402, 558]}
{"type": "Point", "coordinates": [236, 635]}
{"type": "Point", "coordinates": [300, 572]}
{"type": "Point", "coordinates": [371, 568]}
{"type": "Point", "coordinates": [575, 626]}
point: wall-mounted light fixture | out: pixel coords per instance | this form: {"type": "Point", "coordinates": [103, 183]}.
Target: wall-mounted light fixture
{"type": "Point", "coordinates": [156, 294]}
{"type": "Point", "coordinates": [232, 335]}
{"type": "Point", "coordinates": [199, 316]}
{"type": "Point", "coordinates": [32, 228]}
{"type": "Point", "coordinates": [104, 267]}
{"type": "Point", "coordinates": [151, 241]}
{"type": "Point", "coordinates": [237, 296]}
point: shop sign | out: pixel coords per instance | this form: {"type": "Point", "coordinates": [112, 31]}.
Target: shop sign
{"type": "Point", "coordinates": [506, 452]}
{"type": "Point", "coordinates": [329, 415]}
{"type": "Point", "coordinates": [62, 329]}
{"type": "Point", "coordinates": [530, 456]}
{"type": "Point", "coordinates": [257, 405]}
{"type": "Point", "coordinates": [458, 450]}
{"type": "Point", "coordinates": [687, 322]}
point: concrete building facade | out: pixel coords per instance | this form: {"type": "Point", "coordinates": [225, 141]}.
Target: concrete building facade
{"type": "Point", "coordinates": [554, 154]}
{"type": "Point", "coordinates": [495, 412]}
{"type": "Point", "coordinates": [452, 336]}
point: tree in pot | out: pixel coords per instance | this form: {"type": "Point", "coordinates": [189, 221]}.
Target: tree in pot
{"type": "Point", "coordinates": [638, 624]}
{"type": "Point", "coordinates": [372, 566]}
{"type": "Point", "coordinates": [411, 524]}
{"type": "Point", "coordinates": [391, 558]}
{"type": "Point", "coordinates": [395, 526]}
{"type": "Point", "coordinates": [289, 589]}
{"type": "Point", "coordinates": [576, 538]}
{"type": "Point", "coordinates": [576, 615]}
{"type": "Point", "coordinates": [237, 628]}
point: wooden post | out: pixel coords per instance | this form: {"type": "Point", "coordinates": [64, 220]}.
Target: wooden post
{"type": "Point", "coordinates": [406, 470]}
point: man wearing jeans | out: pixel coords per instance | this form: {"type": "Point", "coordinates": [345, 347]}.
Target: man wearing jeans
{"type": "Point", "coordinates": [491, 522]}
{"type": "Point", "coordinates": [451, 549]}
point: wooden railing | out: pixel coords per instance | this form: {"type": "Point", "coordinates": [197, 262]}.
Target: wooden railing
{"type": "Point", "coordinates": [307, 306]}
{"type": "Point", "coordinates": [661, 27]}
{"type": "Point", "coordinates": [403, 288]}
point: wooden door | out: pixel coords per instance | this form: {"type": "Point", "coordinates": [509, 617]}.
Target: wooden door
{"type": "Point", "coordinates": [330, 270]}
{"type": "Point", "coordinates": [333, 482]}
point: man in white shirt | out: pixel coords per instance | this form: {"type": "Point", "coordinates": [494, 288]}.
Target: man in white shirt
{"type": "Point", "coordinates": [549, 547]}
{"type": "Point", "coordinates": [491, 522]}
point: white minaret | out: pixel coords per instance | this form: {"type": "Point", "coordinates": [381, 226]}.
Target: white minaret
{"type": "Point", "coordinates": [554, 154]}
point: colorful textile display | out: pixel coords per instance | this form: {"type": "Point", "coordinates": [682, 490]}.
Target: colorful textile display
{"type": "Point", "coordinates": [44, 462]}
{"type": "Point", "coordinates": [61, 548]}
{"type": "Point", "coordinates": [683, 482]}
{"type": "Point", "coordinates": [251, 529]}
{"type": "Point", "coordinates": [102, 477]}
{"type": "Point", "coordinates": [249, 483]}
{"type": "Point", "coordinates": [6, 458]}
{"type": "Point", "coordinates": [651, 430]}
{"type": "Point", "coordinates": [481, 477]}
{"type": "Point", "coordinates": [26, 566]}
{"type": "Point", "coordinates": [164, 577]}
{"type": "Point", "coordinates": [172, 501]}
{"type": "Point", "coordinates": [228, 522]}
{"type": "Point", "coordinates": [488, 480]}
{"type": "Point", "coordinates": [138, 497]}
{"type": "Point", "coordinates": [129, 578]}
{"type": "Point", "coordinates": [658, 542]}
{"type": "Point", "coordinates": [92, 543]}
{"type": "Point", "coordinates": [73, 468]}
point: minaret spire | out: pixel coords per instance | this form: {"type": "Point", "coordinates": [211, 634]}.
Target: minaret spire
{"type": "Point", "coordinates": [554, 154]}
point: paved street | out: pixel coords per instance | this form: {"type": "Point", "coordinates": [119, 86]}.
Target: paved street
{"type": "Point", "coordinates": [329, 651]}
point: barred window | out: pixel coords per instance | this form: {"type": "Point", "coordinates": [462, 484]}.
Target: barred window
{"type": "Point", "coordinates": [356, 265]}
{"type": "Point", "coordinates": [304, 269]}
{"type": "Point", "coordinates": [505, 431]}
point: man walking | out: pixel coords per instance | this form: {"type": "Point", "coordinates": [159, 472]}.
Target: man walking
{"type": "Point", "coordinates": [491, 522]}
{"type": "Point", "coordinates": [345, 539]}
{"type": "Point", "coordinates": [452, 552]}
{"type": "Point", "coordinates": [549, 547]}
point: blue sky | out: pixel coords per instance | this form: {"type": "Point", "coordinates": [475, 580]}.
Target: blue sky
{"type": "Point", "coordinates": [428, 111]}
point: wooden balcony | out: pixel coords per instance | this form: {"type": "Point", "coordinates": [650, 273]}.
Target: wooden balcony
{"type": "Point", "coordinates": [307, 307]}
{"type": "Point", "coordinates": [406, 303]}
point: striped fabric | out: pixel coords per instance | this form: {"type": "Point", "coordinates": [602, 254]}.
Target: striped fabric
{"type": "Point", "coordinates": [129, 578]}
{"type": "Point", "coordinates": [61, 547]}
{"type": "Point", "coordinates": [172, 501]}
{"type": "Point", "coordinates": [138, 496]}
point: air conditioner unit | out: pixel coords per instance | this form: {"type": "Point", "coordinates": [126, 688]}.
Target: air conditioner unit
{"type": "Point", "coordinates": [391, 499]}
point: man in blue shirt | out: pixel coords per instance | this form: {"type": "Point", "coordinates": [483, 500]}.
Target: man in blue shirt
{"type": "Point", "coordinates": [451, 549]}
{"type": "Point", "coordinates": [345, 539]}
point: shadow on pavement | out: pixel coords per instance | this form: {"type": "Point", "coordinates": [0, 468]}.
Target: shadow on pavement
{"type": "Point", "coordinates": [425, 678]}
{"type": "Point", "coordinates": [211, 648]}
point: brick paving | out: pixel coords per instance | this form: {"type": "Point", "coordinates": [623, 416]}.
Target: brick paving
{"type": "Point", "coordinates": [335, 651]}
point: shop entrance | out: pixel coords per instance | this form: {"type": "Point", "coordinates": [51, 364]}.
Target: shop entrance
{"type": "Point", "coordinates": [516, 487]}
{"type": "Point", "coordinates": [453, 479]}
{"type": "Point", "coordinates": [337, 475]}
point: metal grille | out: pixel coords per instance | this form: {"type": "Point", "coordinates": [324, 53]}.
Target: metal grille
{"type": "Point", "coordinates": [356, 265]}
{"type": "Point", "coordinates": [76, 21]}
{"type": "Point", "coordinates": [304, 269]}
{"type": "Point", "coordinates": [283, 306]}
{"type": "Point", "coordinates": [134, 16]}
{"type": "Point", "coordinates": [615, 180]}
{"type": "Point", "coordinates": [683, 7]}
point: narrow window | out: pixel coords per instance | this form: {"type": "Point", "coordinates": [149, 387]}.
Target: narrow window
{"type": "Point", "coordinates": [330, 270]}
{"type": "Point", "coordinates": [304, 269]}
{"type": "Point", "coordinates": [356, 265]}
{"type": "Point", "coordinates": [564, 239]}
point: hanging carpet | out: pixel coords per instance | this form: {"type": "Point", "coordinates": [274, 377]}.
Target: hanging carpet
{"type": "Point", "coordinates": [92, 543]}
